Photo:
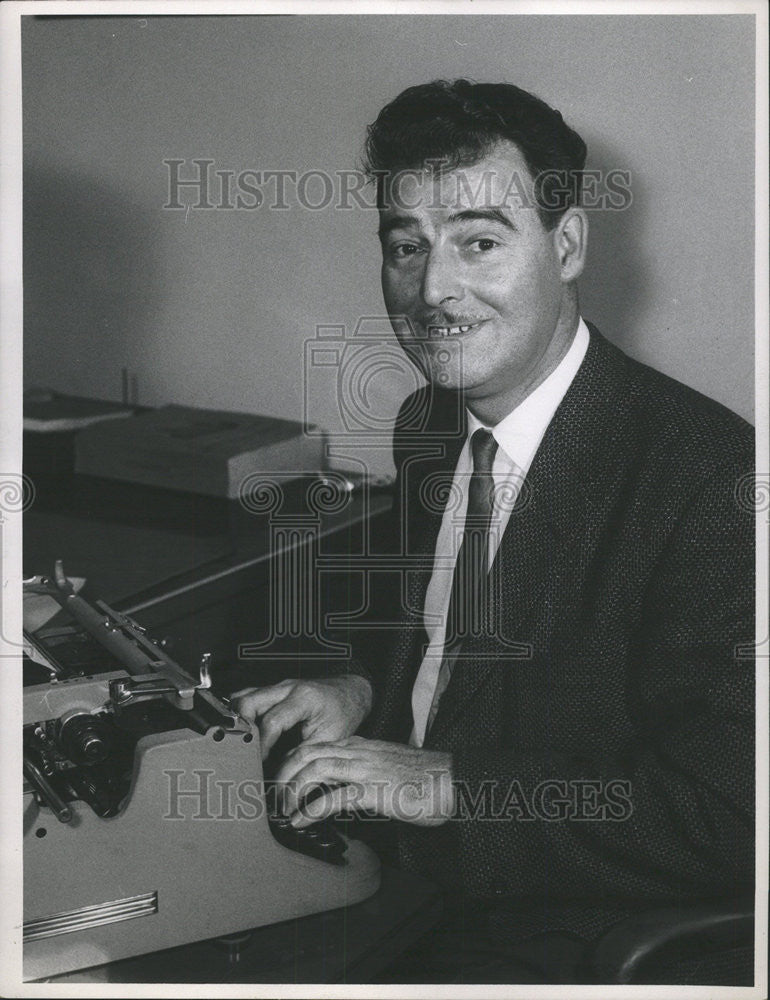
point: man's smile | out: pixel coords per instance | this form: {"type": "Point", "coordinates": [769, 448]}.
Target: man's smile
{"type": "Point", "coordinates": [436, 331]}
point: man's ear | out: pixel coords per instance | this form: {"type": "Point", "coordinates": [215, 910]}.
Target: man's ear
{"type": "Point", "coordinates": [571, 242]}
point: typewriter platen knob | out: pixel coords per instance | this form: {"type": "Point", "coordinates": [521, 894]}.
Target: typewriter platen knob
{"type": "Point", "coordinates": [83, 739]}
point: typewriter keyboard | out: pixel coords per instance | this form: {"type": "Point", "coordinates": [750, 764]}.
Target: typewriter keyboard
{"type": "Point", "coordinates": [321, 840]}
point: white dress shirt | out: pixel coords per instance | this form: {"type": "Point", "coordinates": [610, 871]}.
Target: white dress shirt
{"type": "Point", "coordinates": [518, 437]}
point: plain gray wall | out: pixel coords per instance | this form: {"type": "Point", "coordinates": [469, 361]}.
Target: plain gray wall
{"type": "Point", "coordinates": [213, 308]}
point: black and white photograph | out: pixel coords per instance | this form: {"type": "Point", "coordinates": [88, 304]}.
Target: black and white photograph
{"type": "Point", "coordinates": [384, 499]}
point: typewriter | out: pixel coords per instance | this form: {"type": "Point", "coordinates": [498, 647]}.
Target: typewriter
{"type": "Point", "coordinates": [147, 821]}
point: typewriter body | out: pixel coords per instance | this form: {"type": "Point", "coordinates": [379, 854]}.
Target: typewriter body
{"type": "Point", "coordinates": [146, 817]}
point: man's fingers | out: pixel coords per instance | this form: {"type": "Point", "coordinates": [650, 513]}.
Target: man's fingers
{"type": "Point", "coordinates": [251, 702]}
{"type": "Point", "coordinates": [275, 708]}
{"type": "Point", "coordinates": [306, 753]}
{"type": "Point", "coordinates": [277, 720]}
{"type": "Point", "coordinates": [321, 771]}
{"type": "Point", "coordinates": [335, 801]}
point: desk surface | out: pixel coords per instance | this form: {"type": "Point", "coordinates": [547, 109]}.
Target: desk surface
{"type": "Point", "coordinates": [349, 945]}
{"type": "Point", "coordinates": [136, 544]}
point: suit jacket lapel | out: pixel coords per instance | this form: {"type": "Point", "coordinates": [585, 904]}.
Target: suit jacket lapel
{"type": "Point", "coordinates": [555, 513]}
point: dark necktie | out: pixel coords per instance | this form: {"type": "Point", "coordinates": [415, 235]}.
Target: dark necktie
{"type": "Point", "coordinates": [467, 609]}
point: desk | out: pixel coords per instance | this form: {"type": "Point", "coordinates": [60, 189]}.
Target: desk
{"type": "Point", "coordinates": [351, 945]}
{"type": "Point", "coordinates": [137, 544]}
{"type": "Point", "coordinates": [194, 570]}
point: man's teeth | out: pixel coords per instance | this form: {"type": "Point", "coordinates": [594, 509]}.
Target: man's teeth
{"type": "Point", "coordinates": [448, 331]}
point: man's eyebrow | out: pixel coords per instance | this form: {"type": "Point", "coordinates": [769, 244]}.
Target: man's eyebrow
{"type": "Point", "coordinates": [397, 222]}
{"type": "Point", "coordinates": [491, 214]}
{"type": "Point", "coordinates": [483, 215]}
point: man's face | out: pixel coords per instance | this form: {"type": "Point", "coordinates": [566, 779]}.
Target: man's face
{"type": "Point", "coordinates": [472, 280]}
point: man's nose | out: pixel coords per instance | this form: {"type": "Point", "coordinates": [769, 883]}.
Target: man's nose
{"type": "Point", "coordinates": [441, 280]}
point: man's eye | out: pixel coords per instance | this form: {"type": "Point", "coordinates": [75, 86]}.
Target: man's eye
{"type": "Point", "coordinates": [401, 250]}
{"type": "Point", "coordinates": [484, 244]}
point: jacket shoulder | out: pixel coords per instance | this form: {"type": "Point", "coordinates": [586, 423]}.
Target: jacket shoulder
{"type": "Point", "coordinates": [683, 423]}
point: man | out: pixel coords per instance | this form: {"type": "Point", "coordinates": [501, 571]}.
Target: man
{"type": "Point", "coordinates": [559, 722]}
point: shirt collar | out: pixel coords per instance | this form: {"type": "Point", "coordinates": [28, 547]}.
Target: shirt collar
{"type": "Point", "coordinates": [519, 434]}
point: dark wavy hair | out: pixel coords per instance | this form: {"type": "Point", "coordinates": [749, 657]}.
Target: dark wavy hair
{"type": "Point", "coordinates": [458, 122]}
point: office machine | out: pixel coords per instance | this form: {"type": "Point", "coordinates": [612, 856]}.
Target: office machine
{"type": "Point", "coordinates": [209, 452]}
{"type": "Point", "coordinates": [147, 822]}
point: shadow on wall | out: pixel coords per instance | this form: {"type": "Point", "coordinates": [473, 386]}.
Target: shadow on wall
{"type": "Point", "coordinates": [615, 289]}
{"type": "Point", "coordinates": [91, 281]}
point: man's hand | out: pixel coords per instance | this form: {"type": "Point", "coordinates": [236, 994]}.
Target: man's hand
{"type": "Point", "coordinates": [329, 709]}
{"type": "Point", "coordinates": [390, 779]}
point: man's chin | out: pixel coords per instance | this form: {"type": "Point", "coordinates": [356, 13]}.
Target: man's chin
{"type": "Point", "coordinates": [439, 363]}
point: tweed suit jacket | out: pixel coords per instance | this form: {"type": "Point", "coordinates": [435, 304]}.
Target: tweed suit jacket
{"type": "Point", "coordinates": [619, 651]}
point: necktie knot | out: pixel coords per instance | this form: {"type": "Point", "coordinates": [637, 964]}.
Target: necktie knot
{"type": "Point", "coordinates": [482, 486]}
{"type": "Point", "coordinates": [483, 448]}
